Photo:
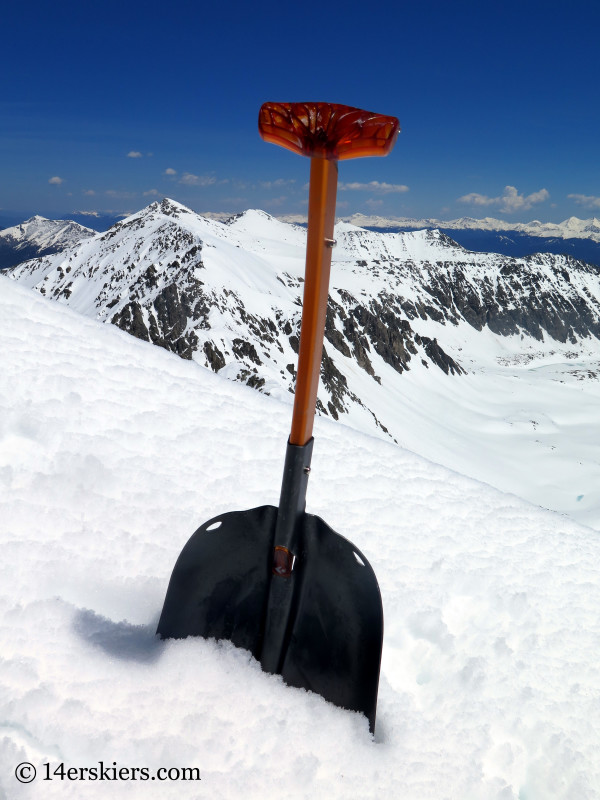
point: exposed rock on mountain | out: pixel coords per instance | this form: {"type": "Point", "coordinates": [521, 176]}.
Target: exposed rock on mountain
{"type": "Point", "coordinates": [228, 295]}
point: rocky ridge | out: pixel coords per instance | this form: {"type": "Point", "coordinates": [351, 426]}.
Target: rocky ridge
{"type": "Point", "coordinates": [228, 295]}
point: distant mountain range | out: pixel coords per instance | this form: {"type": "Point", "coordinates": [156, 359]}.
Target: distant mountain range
{"type": "Point", "coordinates": [572, 228]}
{"type": "Point", "coordinates": [579, 238]}
{"type": "Point", "coordinates": [575, 237]}
{"type": "Point", "coordinates": [228, 295]}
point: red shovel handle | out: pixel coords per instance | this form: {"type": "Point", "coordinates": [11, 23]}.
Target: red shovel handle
{"type": "Point", "coordinates": [327, 133]}
{"type": "Point", "coordinates": [327, 130]}
{"type": "Point", "coordinates": [319, 244]}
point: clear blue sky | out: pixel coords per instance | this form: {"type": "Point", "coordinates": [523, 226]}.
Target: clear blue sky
{"type": "Point", "coordinates": [107, 106]}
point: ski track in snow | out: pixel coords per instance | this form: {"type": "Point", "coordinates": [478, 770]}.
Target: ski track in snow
{"type": "Point", "coordinates": [112, 452]}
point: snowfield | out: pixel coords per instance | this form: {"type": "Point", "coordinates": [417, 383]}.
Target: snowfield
{"type": "Point", "coordinates": [113, 451]}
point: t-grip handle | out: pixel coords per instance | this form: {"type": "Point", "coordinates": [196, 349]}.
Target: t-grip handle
{"type": "Point", "coordinates": [327, 130]}
{"type": "Point", "coordinates": [327, 133]}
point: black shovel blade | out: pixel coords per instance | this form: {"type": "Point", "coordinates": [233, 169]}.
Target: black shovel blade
{"type": "Point", "coordinates": [220, 589]}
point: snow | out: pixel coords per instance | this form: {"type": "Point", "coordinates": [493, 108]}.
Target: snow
{"type": "Point", "coordinates": [113, 451]}
{"type": "Point", "coordinates": [524, 420]}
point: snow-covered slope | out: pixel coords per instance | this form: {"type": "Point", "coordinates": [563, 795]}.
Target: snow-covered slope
{"type": "Point", "coordinates": [463, 357]}
{"type": "Point", "coordinates": [112, 452]}
{"type": "Point", "coordinates": [37, 237]}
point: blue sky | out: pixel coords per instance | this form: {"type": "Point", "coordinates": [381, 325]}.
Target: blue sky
{"type": "Point", "coordinates": [107, 106]}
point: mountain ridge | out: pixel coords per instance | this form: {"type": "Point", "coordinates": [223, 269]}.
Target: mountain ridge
{"type": "Point", "coordinates": [228, 295]}
{"type": "Point", "coordinates": [575, 237]}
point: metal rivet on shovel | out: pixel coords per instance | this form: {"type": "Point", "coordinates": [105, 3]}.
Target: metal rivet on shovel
{"type": "Point", "coordinates": [278, 581]}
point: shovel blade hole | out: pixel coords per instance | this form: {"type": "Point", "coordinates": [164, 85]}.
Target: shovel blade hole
{"type": "Point", "coordinates": [215, 525]}
{"type": "Point", "coordinates": [359, 559]}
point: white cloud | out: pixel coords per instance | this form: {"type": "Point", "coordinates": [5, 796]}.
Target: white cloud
{"type": "Point", "coordinates": [89, 193]}
{"type": "Point", "coordinates": [152, 193]}
{"type": "Point", "coordinates": [170, 171]}
{"type": "Point", "coordinates": [586, 200]}
{"type": "Point", "coordinates": [197, 180]}
{"type": "Point", "coordinates": [276, 184]}
{"type": "Point", "coordinates": [475, 199]}
{"type": "Point", "coordinates": [55, 181]}
{"type": "Point", "coordinates": [508, 202]}
{"type": "Point", "coordinates": [514, 201]}
{"type": "Point", "coordinates": [374, 186]}
{"type": "Point", "coordinates": [134, 154]}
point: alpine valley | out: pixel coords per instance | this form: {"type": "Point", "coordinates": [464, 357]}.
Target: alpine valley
{"type": "Point", "coordinates": [485, 363]}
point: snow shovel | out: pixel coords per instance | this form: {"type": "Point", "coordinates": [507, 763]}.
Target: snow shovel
{"type": "Point", "coordinates": [277, 581]}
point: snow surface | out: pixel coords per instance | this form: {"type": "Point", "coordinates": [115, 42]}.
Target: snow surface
{"type": "Point", "coordinates": [113, 451]}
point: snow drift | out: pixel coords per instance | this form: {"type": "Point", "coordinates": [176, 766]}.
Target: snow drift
{"type": "Point", "coordinates": [113, 451]}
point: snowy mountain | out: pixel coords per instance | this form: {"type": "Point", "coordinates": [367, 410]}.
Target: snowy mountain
{"type": "Point", "coordinates": [423, 338]}
{"type": "Point", "coordinates": [112, 452]}
{"type": "Point", "coordinates": [38, 237]}
{"type": "Point", "coordinates": [229, 295]}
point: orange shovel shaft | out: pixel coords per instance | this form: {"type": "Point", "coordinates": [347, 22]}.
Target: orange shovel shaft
{"type": "Point", "coordinates": [321, 218]}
